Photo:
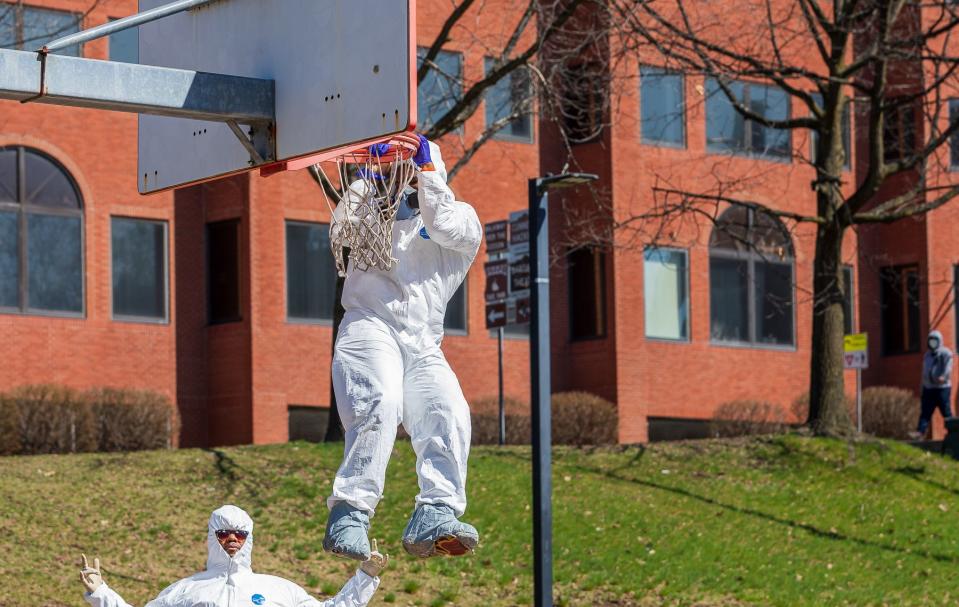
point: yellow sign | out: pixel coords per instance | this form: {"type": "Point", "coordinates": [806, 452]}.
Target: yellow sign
{"type": "Point", "coordinates": [856, 342]}
{"type": "Point", "coordinates": [855, 351]}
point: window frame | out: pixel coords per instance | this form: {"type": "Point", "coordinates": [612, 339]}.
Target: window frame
{"type": "Point", "coordinates": [132, 318]}
{"type": "Point", "coordinates": [237, 221]}
{"type": "Point", "coordinates": [422, 122]}
{"type": "Point", "coordinates": [688, 284]}
{"type": "Point", "coordinates": [300, 320]}
{"type": "Point", "coordinates": [23, 211]}
{"type": "Point", "coordinates": [752, 257]}
{"type": "Point", "coordinates": [900, 270]}
{"type": "Point", "coordinates": [466, 311]}
{"type": "Point", "coordinates": [953, 108]}
{"type": "Point", "coordinates": [903, 130]}
{"type": "Point", "coordinates": [848, 269]}
{"type": "Point", "coordinates": [747, 152]}
{"type": "Point", "coordinates": [684, 143]}
{"type": "Point", "coordinates": [501, 134]}
{"type": "Point", "coordinates": [19, 43]}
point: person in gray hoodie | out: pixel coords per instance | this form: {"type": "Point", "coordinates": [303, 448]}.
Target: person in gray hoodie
{"type": "Point", "coordinates": [936, 382]}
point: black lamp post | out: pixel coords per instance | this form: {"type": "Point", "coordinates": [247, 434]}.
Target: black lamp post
{"type": "Point", "coordinates": [540, 379]}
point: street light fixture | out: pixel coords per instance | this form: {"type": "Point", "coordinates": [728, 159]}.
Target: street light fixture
{"type": "Point", "coordinates": [540, 379]}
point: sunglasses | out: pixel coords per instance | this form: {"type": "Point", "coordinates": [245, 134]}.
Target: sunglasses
{"type": "Point", "coordinates": [225, 533]}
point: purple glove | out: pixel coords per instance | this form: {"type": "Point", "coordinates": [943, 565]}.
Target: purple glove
{"type": "Point", "coordinates": [422, 156]}
{"type": "Point", "coordinates": [379, 149]}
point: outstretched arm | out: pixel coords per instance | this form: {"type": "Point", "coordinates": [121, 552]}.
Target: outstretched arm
{"type": "Point", "coordinates": [359, 590]}
{"type": "Point", "coordinates": [98, 594]}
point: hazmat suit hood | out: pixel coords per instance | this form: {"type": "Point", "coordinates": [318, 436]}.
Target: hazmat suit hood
{"type": "Point", "coordinates": [937, 335]}
{"type": "Point", "coordinates": [229, 517]}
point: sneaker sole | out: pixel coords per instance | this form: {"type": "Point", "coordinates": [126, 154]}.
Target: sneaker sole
{"type": "Point", "coordinates": [450, 545]}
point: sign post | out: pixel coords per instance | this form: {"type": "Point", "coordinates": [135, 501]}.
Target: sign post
{"type": "Point", "coordinates": [856, 356]}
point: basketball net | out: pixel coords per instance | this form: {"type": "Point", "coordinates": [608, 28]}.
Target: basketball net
{"type": "Point", "coordinates": [366, 200]}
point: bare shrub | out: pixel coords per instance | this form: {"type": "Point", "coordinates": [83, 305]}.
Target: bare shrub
{"type": "Point", "coordinates": [800, 408]}
{"type": "Point", "coordinates": [9, 426]}
{"type": "Point", "coordinates": [748, 418]}
{"type": "Point", "coordinates": [130, 420]}
{"type": "Point", "coordinates": [484, 414]}
{"type": "Point", "coordinates": [581, 418]}
{"type": "Point", "coordinates": [53, 419]}
{"type": "Point", "coordinates": [889, 412]}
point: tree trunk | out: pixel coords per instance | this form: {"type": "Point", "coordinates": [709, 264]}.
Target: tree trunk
{"type": "Point", "coordinates": [334, 427]}
{"type": "Point", "coordinates": [828, 415]}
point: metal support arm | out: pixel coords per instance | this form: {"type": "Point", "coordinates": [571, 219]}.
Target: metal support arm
{"type": "Point", "coordinates": [142, 89]}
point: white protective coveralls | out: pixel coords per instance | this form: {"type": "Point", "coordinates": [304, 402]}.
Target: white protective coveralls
{"type": "Point", "coordinates": [230, 582]}
{"type": "Point", "coordinates": [388, 367]}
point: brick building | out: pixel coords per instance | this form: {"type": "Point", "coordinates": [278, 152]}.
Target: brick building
{"type": "Point", "coordinates": [220, 295]}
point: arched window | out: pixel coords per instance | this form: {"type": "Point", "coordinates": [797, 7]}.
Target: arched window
{"type": "Point", "coordinates": [41, 225]}
{"type": "Point", "coordinates": [751, 279]}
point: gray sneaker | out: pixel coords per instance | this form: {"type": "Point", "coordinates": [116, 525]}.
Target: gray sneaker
{"type": "Point", "coordinates": [434, 530]}
{"type": "Point", "coordinates": [347, 532]}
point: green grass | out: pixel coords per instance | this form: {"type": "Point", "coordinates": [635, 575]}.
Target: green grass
{"type": "Point", "coordinates": [785, 521]}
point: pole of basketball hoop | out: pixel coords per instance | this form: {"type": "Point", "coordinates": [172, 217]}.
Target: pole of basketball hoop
{"type": "Point", "coordinates": [540, 381]}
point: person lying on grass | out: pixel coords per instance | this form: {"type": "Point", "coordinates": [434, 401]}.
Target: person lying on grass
{"type": "Point", "coordinates": [229, 579]}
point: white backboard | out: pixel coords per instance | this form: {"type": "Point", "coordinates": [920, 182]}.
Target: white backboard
{"type": "Point", "coordinates": [344, 73]}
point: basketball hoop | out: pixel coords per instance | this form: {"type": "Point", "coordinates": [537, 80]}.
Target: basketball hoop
{"type": "Point", "coordinates": [368, 196]}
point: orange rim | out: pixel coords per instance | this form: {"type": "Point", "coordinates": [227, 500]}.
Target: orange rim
{"type": "Point", "coordinates": [402, 147]}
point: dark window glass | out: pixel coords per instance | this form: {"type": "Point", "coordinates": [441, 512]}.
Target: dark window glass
{"type": "Point", "coordinates": [223, 270]}
{"type": "Point", "coordinates": [440, 89]}
{"type": "Point", "coordinates": [8, 175]}
{"type": "Point", "coordinates": [47, 185]}
{"type": "Point", "coordinates": [587, 293]}
{"type": "Point", "coordinates": [751, 279]}
{"type": "Point", "coordinates": [662, 106]}
{"type": "Point", "coordinates": [846, 125]}
{"type": "Point", "coordinates": [899, 299]}
{"type": "Point", "coordinates": [54, 263]}
{"type": "Point", "coordinates": [849, 319]}
{"type": "Point", "coordinates": [37, 192]}
{"type": "Point", "coordinates": [310, 272]}
{"type": "Point", "coordinates": [510, 96]}
{"type": "Point", "coordinates": [41, 25]}
{"type": "Point", "coordinates": [308, 423]}
{"type": "Point", "coordinates": [584, 101]}
{"type": "Point", "coordinates": [9, 260]}
{"type": "Point", "coordinates": [729, 299]}
{"type": "Point", "coordinates": [8, 25]}
{"type": "Point", "coordinates": [139, 268]}
{"type": "Point", "coordinates": [665, 295]}
{"type": "Point", "coordinates": [954, 138]}
{"type": "Point", "coordinates": [728, 131]}
{"type": "Point", "coordinates": [125, 46]}
{"type": "Point", "coordinates": [456, 319]}
{"type": "Point", "coordinates": [899, 132]}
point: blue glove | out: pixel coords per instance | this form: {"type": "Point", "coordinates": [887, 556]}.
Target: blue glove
{"type": "Point", "coordinates": [379, 149]}
{"type": "Point", "coordinates": [423, 154]}
{"type": "Point", "coordinates": [363, 173]}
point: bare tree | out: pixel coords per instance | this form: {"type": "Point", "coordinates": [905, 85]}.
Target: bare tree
{"type": "Point", "coordinates": [889, 64]}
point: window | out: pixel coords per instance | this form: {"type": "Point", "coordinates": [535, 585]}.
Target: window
{"type": "Point", "coordinates": [512, 95]}
{"type": "Point", "coordinates": [307, 423]}
{"type": "Point", "coordinates": [223, 270]}
{"type": "Point", "coordinates": [440, 89]}
{"type": "Point", "coordinates": [456, 319]}
{"type": "Point", "coordinates": [750, 280]}
{"type": "Point", "coordinates": [846, 126]}
{"type": "Point", "coordinates": [954, 138]}
{"type": "Point", "coordinates": [849, 314]}
{"type": "Point", "coordinates": [587, 293]}
{"type": "Point", "coordinates": [662, 106]}
{"type": "Point", "coordinates": [584, 101]}
{"type": "Point", "coordinates": [666, 294]}
{"type": "Point", "coordinates": [899, 300]}
{"type": "Point", "coordinates": [29, 28]}
{"type": "Point", "coordinates": [899, 132]}
{"type": "Point", "coordinates": [728, 131]}
{"type": "Point", "coordinates": [139, 254]}
{"type": "Point", "coordinates": [310, 272]}
{"type": "Point", "coordinates": [41, 239]}
{"type": "Point", "coordinates": [125, 46]}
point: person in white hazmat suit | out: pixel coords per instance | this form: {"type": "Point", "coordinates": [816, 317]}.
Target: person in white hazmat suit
{"type": "Point", "coordinates": [229, 581]}
{"type": "Point", "coordinates": [388, 369]}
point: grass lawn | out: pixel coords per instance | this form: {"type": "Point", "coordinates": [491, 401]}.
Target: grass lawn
{"type": "Point", "coordinates": [773, 521]}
